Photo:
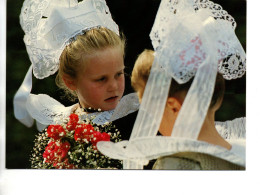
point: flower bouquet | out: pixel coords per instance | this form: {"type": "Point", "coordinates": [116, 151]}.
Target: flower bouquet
{"type": "Point", "coordinates": [71, 144]}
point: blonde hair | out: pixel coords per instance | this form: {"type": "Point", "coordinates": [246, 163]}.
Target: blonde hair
{"type": "Point", "coordinates": [141, 73]}
{"type": "Point", "coordinates": [83, 45]}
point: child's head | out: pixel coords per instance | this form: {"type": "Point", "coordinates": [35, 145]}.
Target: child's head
{"type": "Point", "coordinates": [141, 71]}
{"type": "Point", "coordinates": [177, 92]}
{"type": "Point", "coordinates": [92, 69]}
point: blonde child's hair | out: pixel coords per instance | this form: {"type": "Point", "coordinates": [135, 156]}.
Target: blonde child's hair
{"type": "Point", "coordinates": [141, 71]}
{"type": "Point", "coordinates": [86, 44]}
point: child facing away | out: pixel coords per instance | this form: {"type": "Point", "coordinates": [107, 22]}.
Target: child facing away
{"type": "Point", "coordinates": [83, 43]}
{"type": "Point", "coordinates": [193, 43]}
{"type": "Point", "coordinates": [209, 133]}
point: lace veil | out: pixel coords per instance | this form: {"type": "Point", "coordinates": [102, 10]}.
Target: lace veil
{"type": "Point", "coordinates": [191, 38]}
{"type": "Point", "coordinates": [49, 26]}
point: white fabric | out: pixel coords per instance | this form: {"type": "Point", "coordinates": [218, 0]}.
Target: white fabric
{"type": "Point", "coordinates": [20, 99]}
{"type": "Point", "coordinates": [157, 84]}
{"type": "Point", "coordinates": [190, 38]}
{"type": "Point", "coordinates": [238, 148]}
{"type": "Point", "coordinates": [46, 110]}
{"type": "Point", "coordinates": [232, 130]}
{"type": "Point", "coordinates": [235, 133]}
{"type": "Point", "coordinates": [147, 148]}
{"type": "Point", "coordinates": [171, 12]}
{"type": "Point", "coordinates": [49, 25]}
{"type": "Point", "coordinates": [127, 105]}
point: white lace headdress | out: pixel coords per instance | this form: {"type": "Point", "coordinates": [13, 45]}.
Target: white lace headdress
{"type": "Point", "coordinates": [191, 38]}
{"type": "Point", "coordinates": [49, 26]}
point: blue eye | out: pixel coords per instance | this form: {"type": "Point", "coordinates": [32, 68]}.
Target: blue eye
{"type": "Point", "coordinates": [119, 74]}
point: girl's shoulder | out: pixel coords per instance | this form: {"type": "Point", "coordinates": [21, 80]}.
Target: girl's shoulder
{"type": "Point", "coordinates": [127, 108]}
{"type": "Point", "coordinates": [123, 116]}
{"type": "Point", "coordinates": [127, 105]}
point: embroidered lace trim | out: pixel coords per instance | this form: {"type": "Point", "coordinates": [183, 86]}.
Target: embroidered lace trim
{"type": "Point", "coordinates": [46, 110]}
{"type": "Point", "coordinates": [45, 41]}
{"type": "Point", "coordinates": [235, 129]}
{"type": "Point", "coordinates": [231, 61]}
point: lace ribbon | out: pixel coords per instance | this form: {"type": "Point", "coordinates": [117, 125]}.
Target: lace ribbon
{"type": "Point", "coordinates": [190, 38]}
{"type": "Point", "coordinates": [20, 99]}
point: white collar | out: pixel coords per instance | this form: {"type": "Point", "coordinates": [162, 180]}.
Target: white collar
{"type": "Point", "coordinates": [147, 148]}
{"type": "Point", "coordinates": [46, 110]}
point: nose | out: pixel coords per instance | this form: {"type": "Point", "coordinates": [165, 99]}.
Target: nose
{"type": "Point", "coordinates": [113, 85]}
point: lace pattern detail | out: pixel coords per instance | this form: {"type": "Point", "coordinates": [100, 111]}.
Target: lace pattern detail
{"type": "Point", "coordinates": [49, 26]}
{"type": "Point", "coordinates": [232, 67]}
{"type": "Point", "coordinates": [231, 56]}
{"type": "Point", "coordinates": [235, 129]}
{"type": "Point", "coordinates": [158, 31]}
{"type": "Point", "coordinates": [216, 11]}
{"type": "Point", "coordinates": [46, 110]}
{"type": "Point", "coordinates": [127, 105]}
{"type": "Point", "coordinates": [31, 13]}
{"type": "Point", "coordinates": [102, 118]}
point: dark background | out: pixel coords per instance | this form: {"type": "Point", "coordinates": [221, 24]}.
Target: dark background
{"type": "Point", "coordinates": [135, 19]}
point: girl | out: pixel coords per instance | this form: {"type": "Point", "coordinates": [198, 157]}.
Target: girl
{"type": "Point", "coordinates": [92, 70]}
{"type": "Point", "coordinates": [83, 43]}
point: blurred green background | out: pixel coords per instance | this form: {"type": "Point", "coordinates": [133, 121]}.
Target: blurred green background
{"type": "Point", "coordinates": [135, 19]}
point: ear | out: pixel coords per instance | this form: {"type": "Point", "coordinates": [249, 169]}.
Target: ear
{"type": "Point", "coordinates": [69, 82]}
{"type": "Point", "coordinates": [174, 104]}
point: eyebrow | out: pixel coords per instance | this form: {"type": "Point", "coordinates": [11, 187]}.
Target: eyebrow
{"type": "Point", "coordinates": [104, 75]}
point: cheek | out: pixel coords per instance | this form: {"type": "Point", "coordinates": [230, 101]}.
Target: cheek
{"type": "Point", "coordinates": [121, 83]}
{"type": "Point", "coordinates": [90, 91]}
{"type": "Point", "coordinates": [96, 92]}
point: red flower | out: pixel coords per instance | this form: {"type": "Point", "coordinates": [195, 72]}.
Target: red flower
{"type": "Point", "coordinates": [71, 125]}
{"type": "Point", "coordinates": [56, 152]}
{"type": "Point", "coordinates": [68, 165]}
{"type": "Point", "coordinates": [62, 150]}
{"type": "Point", "coordinates": [83, 132]}
{"type": "Point", "coordinates": [105, 137]}
{"type": "Point", "coordinates": [97, 136]}
{"type": "Point", "coordinates": [49, 152]}
{"type": "Point", "coordinates": [56, 131]}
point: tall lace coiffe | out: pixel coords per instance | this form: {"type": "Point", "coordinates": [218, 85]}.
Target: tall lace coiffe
{"type": "Point", "coordinates": [50, 25]}
{"type": "Point", "coordinates": [191, 39]}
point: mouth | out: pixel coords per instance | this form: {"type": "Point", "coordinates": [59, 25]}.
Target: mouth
{"type": "Point", "coordinates": [111, 99]}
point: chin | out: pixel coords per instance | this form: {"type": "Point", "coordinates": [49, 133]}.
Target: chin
{"type": "Point", "coordinates": [110, 107]}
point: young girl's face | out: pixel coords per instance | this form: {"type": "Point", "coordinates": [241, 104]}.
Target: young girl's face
{"type": "Point", "coordinates": [101, 82]}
